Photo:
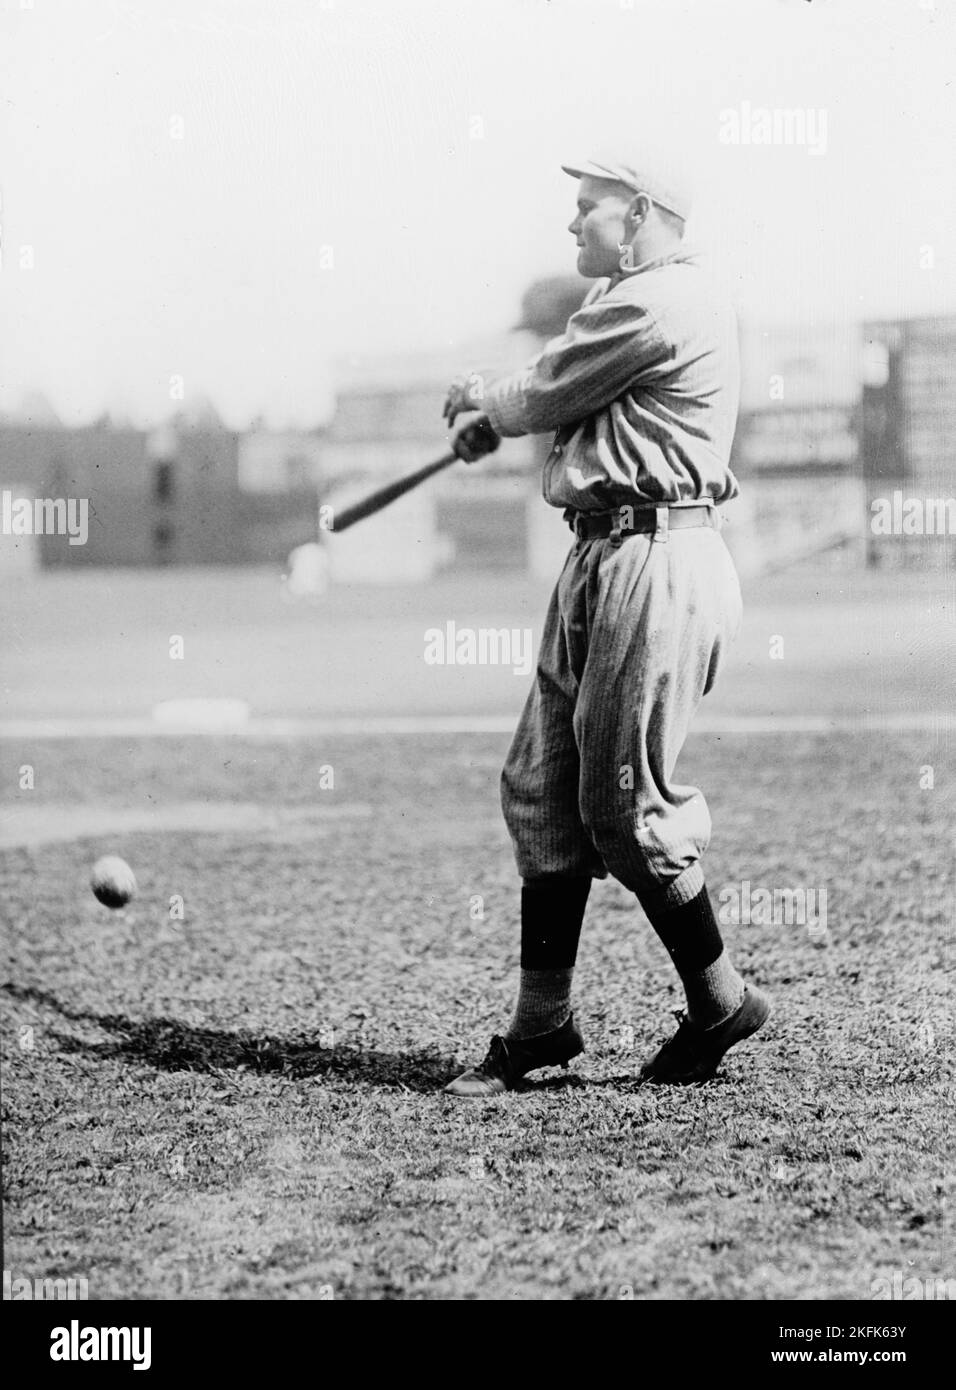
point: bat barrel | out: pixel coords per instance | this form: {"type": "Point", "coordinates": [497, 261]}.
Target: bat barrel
{"type": "Point", "coordinates": [382, 496]}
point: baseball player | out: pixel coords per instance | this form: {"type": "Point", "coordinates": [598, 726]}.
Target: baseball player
{"type": "Point", "coordinates": [642, 391]}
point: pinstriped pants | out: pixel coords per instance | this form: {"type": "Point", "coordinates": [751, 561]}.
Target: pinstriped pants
{"type": "Point", "coordinates": [634, 638]}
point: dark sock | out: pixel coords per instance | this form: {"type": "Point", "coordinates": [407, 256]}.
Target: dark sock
{"type": "Point", "coordinates": [552, 911]}
{"type": "Point", "coordinates": [692, 939]}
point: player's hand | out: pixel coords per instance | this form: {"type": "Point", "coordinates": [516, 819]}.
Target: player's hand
{"type": "Point", "coordinates": [473, 437]}
{"type": "Point", "coordinates": [465, 393]}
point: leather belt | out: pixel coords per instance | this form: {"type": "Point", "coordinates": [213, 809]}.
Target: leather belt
{"type": "Point", "coordinates": [628, 521]}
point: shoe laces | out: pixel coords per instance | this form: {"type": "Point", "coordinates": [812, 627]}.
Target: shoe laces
{"type": "Point", "coordinates": [684, 1041]}
{"type": "Point", "coordinates": [496, 1059]}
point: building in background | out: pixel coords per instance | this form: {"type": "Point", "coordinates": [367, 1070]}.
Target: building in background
{"type": "Point", "coordinates": [907, 430]}
{"type": "Point", "coordinates": [797, 447]}
{"type": "Point", "coordinates": [835, 420]}
{"type": "Point", "coordinates": [277, 462]}
{"type": "Point", "coordinates": [167, 497]}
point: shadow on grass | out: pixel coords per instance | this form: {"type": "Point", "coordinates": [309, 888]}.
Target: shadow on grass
{"type": "Point", "coordinates": [171, 1045]}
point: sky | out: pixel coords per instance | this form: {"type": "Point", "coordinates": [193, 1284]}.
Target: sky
{"type": "Point", "coordinates": [224, 199]}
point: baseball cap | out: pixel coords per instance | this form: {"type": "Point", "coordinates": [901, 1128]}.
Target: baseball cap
{"type": "Point", "coordinates": [669, 188]}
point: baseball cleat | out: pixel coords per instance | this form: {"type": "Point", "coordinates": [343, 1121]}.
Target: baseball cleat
{"type": "Point", "coordinates": [694, 1054]}
{"type": "Point", "coordinates": [508, 1061]}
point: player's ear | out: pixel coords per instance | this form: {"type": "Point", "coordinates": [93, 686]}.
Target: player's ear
{"type": "Point", "coordinates": [639, 207]}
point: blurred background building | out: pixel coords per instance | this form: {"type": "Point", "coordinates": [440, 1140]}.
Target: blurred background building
{"type": "Point", "coordinates": [833, 417]}
{"type": "Point", "coordinates": [188, 493]}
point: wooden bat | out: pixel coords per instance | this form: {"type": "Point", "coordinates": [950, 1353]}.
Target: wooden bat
{"type": "Point", "coordinates": [479, 432]}
{"type": "Point", "coordinates": [382, 496]}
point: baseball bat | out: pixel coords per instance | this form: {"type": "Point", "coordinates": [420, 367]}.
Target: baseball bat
{"type": "Point", "coordinates": [382, 496]}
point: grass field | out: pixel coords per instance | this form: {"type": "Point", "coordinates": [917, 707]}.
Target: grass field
{"type": "Point", "coordinates": [246, 1103]}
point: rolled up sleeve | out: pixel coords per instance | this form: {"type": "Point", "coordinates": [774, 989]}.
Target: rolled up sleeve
{"type": "Point", "coordinates": [608, 346]}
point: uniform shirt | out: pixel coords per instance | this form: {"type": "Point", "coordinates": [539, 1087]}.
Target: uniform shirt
{"type": "Point", "coordinates": [642, 388]}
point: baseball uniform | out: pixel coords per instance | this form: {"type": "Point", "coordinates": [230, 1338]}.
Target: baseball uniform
{"type": "Point", "coordinates": [642, 390]}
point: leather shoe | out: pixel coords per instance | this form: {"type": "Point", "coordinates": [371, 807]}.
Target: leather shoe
{"type": "Point", "coordinates": [509, 1060]}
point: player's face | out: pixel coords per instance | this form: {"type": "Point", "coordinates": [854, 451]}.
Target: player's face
{"type": "Point", "coordinates": [600, 227]}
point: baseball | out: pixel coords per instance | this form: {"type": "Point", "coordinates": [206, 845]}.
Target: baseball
{"type": "Point", "coordinates": [113, 881]}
